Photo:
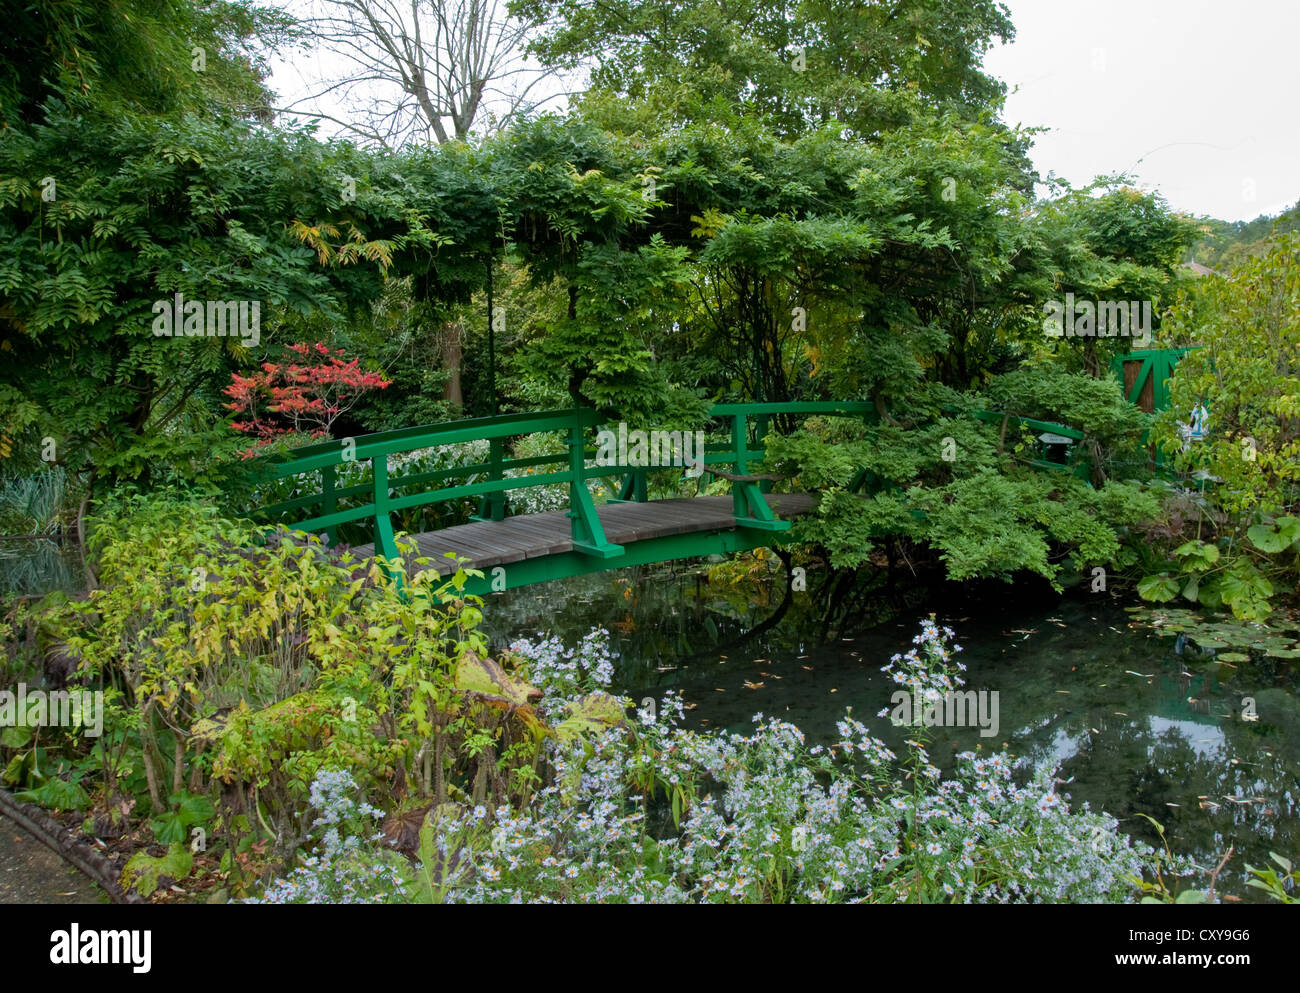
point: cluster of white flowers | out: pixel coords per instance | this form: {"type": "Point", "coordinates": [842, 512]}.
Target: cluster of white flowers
{"type": "Point", "coordinates": [566, 674]}
{"type": "Point", "coordinates": [342, 869]}
{"type": "Point", "coordinates": [651, 812]}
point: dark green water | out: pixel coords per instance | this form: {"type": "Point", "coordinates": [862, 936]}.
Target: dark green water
{"type": "Point", "coordinates": [1138, 726]}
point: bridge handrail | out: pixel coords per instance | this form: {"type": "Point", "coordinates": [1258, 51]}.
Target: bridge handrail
{"type": "Point", "coordinates": [388, 494]}
{"type": "Point", "coordinates": [751, 508]}
{"type": "Point", "coordinates": [428, 436]}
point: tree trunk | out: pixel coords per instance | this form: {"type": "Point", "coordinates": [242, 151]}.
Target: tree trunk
{"type": "Point", "coordinates": [453, 340]}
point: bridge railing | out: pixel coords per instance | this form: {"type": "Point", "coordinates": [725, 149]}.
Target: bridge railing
{"type": "Point", "coordinates": [750, 505]}
{"type": "Point", "coordinates": [320, 507]}
{"type": "Point", "coordinates": [1075, 462]}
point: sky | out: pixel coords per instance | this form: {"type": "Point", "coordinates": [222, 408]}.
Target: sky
{"type": "Point", "coordinates": [1195, 98]}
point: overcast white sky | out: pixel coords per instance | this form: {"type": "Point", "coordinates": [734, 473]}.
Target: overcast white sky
{"type": "Point", "coordinates": [1195, 98]}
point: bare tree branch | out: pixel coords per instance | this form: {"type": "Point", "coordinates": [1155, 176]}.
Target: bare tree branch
{"type": "Point", "coordinates": [415, 71]}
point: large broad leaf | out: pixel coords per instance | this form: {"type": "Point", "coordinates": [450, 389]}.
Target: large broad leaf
{"type": "Point", "coordinates": [486, 678]}
{"type": "Point", "coordinates": [592, 714]}
{"type": "Point", "coordinates": [56, 794]}
{"type": "Point", "coordinates": [1207, 553]}
{"type": "Point", "coordinates": [1159, 588]}
{"type": "Point", "coordinates": [486, 681]}
{"type": "Point", "coordinates": [187, 810]}
{"type": "Point", "coordinates": [1289, 529]}
{"type": "Point", "coordinates": [22, 769]}
{"type": "Point", "coordinates": [16, 737]}
{"type": "Point", "coordinates": [1266, 538]}
{"type": "Point", "coordinates": [143, 872]}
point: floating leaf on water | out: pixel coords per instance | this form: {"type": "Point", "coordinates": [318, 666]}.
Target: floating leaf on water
{"type": "Point", "coordinates": [1233, 657]}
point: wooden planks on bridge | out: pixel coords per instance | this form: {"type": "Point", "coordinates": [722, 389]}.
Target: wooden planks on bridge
{"type": "Point", "coordinates": [491, 543]}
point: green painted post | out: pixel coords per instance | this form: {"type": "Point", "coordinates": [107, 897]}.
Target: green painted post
{"type": "Point", "coordinates": [497, 500]}
{"type": "Point", "coordinates": [385, 543]}
{"type": "Point", "coordinates": [633, 489]}
{"type": "Point", "coordinates": [750, 508]}
{"type": "Point", "coordinates": [739, 441]}
{"type": "Point", "coordinates": [329, 503]}
{"type": "Point", "coordinates": [760, 432]}
{"type": "Point", "coordinates": [588, 534]}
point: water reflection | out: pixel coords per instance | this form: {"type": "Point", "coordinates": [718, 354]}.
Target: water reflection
{"type": "Point", "coordinates": [1209, 749]}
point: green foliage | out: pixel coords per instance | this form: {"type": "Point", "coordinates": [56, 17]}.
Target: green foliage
{"type": "Point", "coordinates": [1225, 243]}
{"type": "Point", "coordinates": [1159, 889]}
{"type": "Point", "coordinates": [144, 872]}
{"type": "Point", "coordinates": [1279, 887]}
{"type": "Point", "coordinates": [187, 811]}
{"type": "Point", "coordinates": [864, 66]}
{"type": "Point", "coordinates": [242, 663]}
{"type": "Point", "coordinates": [146, 209]}
{"type": "Point", "coordinates": [1095, 406]}
{"type": "Point", "coordinates": [953, 485]}
{"type": "Point", "coordinates": [1244, 551]}
{"type": "Point", "coordinates": [56, 794]}
{"type": "Point", "coordinates": [1278, 638]}
{"type": "Point", "coordinates": [1247, 374]}
{"type": "Point", "coordinates": [136, 56]}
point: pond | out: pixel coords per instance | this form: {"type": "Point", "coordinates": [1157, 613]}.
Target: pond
{"type": "Point", "coordinates": [1140, 724]}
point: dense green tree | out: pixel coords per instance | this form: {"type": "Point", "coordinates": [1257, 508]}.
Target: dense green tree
{"type": "Point", "coordinates": [797, 65]}
{"type": "Point", "coordinates": [136, 56]}
{"type": "Point", "coordinates": [143, 209]}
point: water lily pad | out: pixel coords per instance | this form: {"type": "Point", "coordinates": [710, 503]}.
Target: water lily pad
{"type": "Point", "coordinates": [1233, 657]}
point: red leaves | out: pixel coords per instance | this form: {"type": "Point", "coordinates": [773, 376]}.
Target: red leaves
{"type": "Point", "coordinates": [306, 398]}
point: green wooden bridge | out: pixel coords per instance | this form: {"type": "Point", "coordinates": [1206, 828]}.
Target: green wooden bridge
{"type": "Point", "coordinates": [521, 549]}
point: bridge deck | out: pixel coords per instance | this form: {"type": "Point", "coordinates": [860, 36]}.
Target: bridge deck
{"type": "Point", "coordinates": [492, 543]}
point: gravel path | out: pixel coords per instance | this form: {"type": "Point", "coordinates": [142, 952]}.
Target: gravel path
{"type": "Point", "coordinates": [31, 873]}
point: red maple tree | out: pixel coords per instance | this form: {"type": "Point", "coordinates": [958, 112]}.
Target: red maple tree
{"type": "Point", "coordinates": [287, 397]}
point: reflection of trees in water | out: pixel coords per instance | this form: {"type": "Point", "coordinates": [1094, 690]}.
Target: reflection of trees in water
{"type": "Point", "coordinates": [1142, 746]}
{"type": "Point", "coordinates": [1132, 769]}
{"type": "Point", "coordinates": [1163, 739]}
{"type": "Point", "coordinates": [669, 614]}
{"type": "Point", "coordinates": [656, 615]}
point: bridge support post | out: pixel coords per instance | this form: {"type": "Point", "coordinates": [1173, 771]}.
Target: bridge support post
{"type": "Point", "coordinates": [588, 533]}
{"type": "Point", "coordinates": [633, 489]}
{"type": "Point", "coordinates": [760, 432]}
{"type": "Point", "coordinates": [329, 503]}
{"type": "Point", "coordinates": [385, 543]}
{"type": "Point", "coordinates": [749, 506]}
{"type": "Point", "coordinates": [493, 505]}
